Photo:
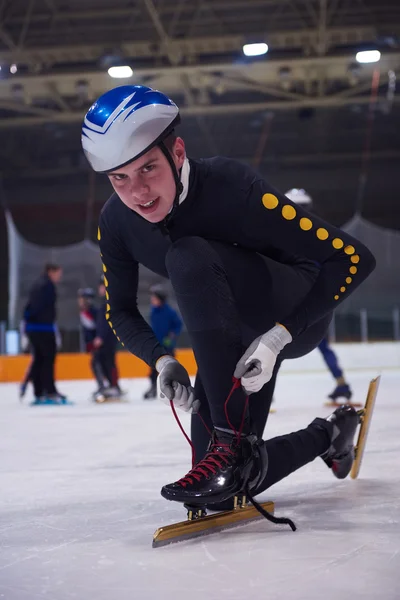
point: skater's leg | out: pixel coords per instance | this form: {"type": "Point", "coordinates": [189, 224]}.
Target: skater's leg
{"type": "Point", "coordinates": [27, 378]}
{"type": "Point", "coordinates": [36, 369]}
{"type": "Point", "coordinates": [201, 423]}
{"type": "Point", "coordinates": [331, 439]}
{"type": "Point", "coordinates": [48, 341]}
{"type": "Point", "coordinates": [153, 376]}
{"type": "Point", "coordinates": [260, 404]}
{"type": "Point", "coordinates": [107, 363]}
{"type": "Point", "coordinates": [223, 315]}
{"type": "Point", "coordinates": [342, 387]}
{"type": "Point", "coordinates": [287, 453]}
{"type": "Point", "coordinates": [114, 370]}
{"type": "Point", "coordinates": [330, 359]}
{"type": "Point", "coordinates": [97, 369]}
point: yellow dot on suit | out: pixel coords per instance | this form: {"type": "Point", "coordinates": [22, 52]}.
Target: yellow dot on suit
{"type": "Point", "coordinates": [107, 296]}
{"type": "Point", "coordinates": [349, 249]}
{"type": "Point", "coordinates": [353, 270]}
{"type": "Point", "coordinates": [270, 201]}
{"type": "Point", "coordinates": [288, 212]}
{"type": "Point", "coordinates": [322, 234]}
{"type": "Point", "coordinates": [107, 316]}
{"type": "Point", "coordinates": [98, 234]}
{"type": "Point", "coordinates": [348, 280]}
{"type": "Point", "coordinates": [336, 297]}
{"type": "Point", "coordinates": [337, 243]}
{"type": "Point", "coordinates": [106, 281]}
{"type": "Point", "coordinates": [355, 259]}
{"type": "Point", "coordinates": [342, 289]}
{"type": "Point", "coordinates": [108, 307]}
{"type": "Point", "coordinates": [110, 324]}
{"type": "Point", "coordinates": [114, 332]}
{"type": "Point", "coordinates": [305, 224]}
{"type": "Point", "coordinates": [104, 268]}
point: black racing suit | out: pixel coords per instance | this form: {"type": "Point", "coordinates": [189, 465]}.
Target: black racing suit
{"type": "Point", "coordinates": [40, 316]}
{"type": "Point", "coordinates": [240, 257]}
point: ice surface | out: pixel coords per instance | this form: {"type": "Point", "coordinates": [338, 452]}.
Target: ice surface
{"type": "Point", "coordinates": [79, 502]}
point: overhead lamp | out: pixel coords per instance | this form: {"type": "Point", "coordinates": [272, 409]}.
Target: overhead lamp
{"type": "Point", "coordinates": [120, 72]}
{"type": "Point", "coordinates": [13, 69]}
{"type": "Point", "coordinates": [368, 56]}
{"type": "Point", "coordinates": [255, 49]}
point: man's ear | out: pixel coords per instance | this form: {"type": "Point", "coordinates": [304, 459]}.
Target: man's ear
{"type": "Point", "coordinates": [179, 152]}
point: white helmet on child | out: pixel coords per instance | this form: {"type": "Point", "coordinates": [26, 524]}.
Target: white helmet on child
{"type": "Point", "coordinates": [124, 123]}
{"type": "Point", "coordinates": [299, 196]}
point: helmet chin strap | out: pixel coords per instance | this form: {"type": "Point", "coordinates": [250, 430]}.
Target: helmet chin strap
{"type": "Point", "coordinates": [175, 173]}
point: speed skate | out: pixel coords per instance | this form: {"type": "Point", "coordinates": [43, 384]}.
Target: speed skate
{"type": "Point", "coordinates": [109, 395]}
{"type": "Point", "coordinates": [198, 523]}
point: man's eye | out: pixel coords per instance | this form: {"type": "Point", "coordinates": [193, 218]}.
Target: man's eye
{"type": "Point", "coordinates": [148, 168]}
{"type": "Point", "coordinates": [119, 177]}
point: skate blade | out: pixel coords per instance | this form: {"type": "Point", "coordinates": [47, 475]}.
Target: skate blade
{"type": "Point", "coordinates": [110, 400]}
{"type": "Point", "coordinates": [366, 415]}
{"type": "Point", "coordinates": [333, 404]}
{"type": "Point", "coordinates": [188, 530]}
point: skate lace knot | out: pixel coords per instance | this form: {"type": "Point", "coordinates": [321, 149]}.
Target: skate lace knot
{"type": "Point", "coordinates": [218, 455]}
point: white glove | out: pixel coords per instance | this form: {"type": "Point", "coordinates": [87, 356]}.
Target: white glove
{"type": "Point", "coordinates": [173, 383]}
{"type": "Point", "coordinates": [24, 342]}
{"type": "Point", "coordinates": [58, 339]}
{"type": "Point", "coordinates": [256, 366]}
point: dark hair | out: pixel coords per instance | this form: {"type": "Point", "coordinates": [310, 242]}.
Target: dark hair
{"type": "Point", "coordinates": [170, 140]}
{"type": "Point", "coordinates": [51, 267]}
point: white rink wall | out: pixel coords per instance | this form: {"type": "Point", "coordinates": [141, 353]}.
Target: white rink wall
{"type": "Point", "coordinates": [374, 355]}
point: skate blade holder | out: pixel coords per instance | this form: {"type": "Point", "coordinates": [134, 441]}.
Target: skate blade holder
{"type": "Point", "coordinates": [365, 415]}
{"type": "Point", "coordinates": [199, 523]}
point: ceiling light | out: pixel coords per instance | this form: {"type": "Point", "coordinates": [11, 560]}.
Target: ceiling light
{"type": "Point", "coordinates": [368, 56]}
{"type": "Point", "coordinates": [13, 69]}
{"type": "Point", "coordinates": [120, 72]}
{"type": "Point", "coordinates": [255, 49]}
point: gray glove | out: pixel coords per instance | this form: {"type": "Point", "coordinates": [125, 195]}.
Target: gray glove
{"type": "Point", "coordinates": [173, 383]}
{"type": "Point", "coordinates": [256, 366]}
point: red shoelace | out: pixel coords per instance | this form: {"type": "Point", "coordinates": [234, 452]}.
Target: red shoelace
{"type": "Point", "coordinates": [219, 453]}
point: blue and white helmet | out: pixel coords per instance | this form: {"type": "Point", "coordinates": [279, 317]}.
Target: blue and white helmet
{"type": "Point", "coordinates": [299, 196]}
{"type": "Point", "coordinates": [124, 123]}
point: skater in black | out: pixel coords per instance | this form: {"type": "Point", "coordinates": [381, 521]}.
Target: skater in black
{"type": "Point", "coordinates": [104, 350]}
{"type": "Point", "coordinates": [40, 327]}
{"type": "Point", "coordinates": [256, 279]}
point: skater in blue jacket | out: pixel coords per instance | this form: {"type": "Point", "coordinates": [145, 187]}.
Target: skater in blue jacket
{"type": "Point", "coordinates": [167, 325]}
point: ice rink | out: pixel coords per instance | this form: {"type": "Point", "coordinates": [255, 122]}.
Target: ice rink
{"type": "Point", "coordinates": [80, 500]}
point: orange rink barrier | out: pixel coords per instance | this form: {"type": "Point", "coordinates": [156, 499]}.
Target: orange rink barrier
{"type": "Point", "coordinates": [77, 365]}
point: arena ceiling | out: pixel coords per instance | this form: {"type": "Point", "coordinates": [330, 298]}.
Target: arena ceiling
{"type": "Point", "coordinates": [59, 51]}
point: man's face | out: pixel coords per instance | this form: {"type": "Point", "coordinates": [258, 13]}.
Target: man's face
{"type": "Point", "coordinates": [155, 300]}
{"type": "Point", "coordinates": [55, 276]}
{"type": "Point", "coordinates": [147, 184]}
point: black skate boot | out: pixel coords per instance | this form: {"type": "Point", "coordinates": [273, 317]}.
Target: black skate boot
{"type": "Point", "coordinates": [341, 391]}
{"type": "Point", "coordinates": [224, 471]}
{"type": "Point", "coordinates": [257, 476]}
{"type": "Point", "coordinates": [151, 392]}
{"type": "Point", "coordinates": [340, 455]}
